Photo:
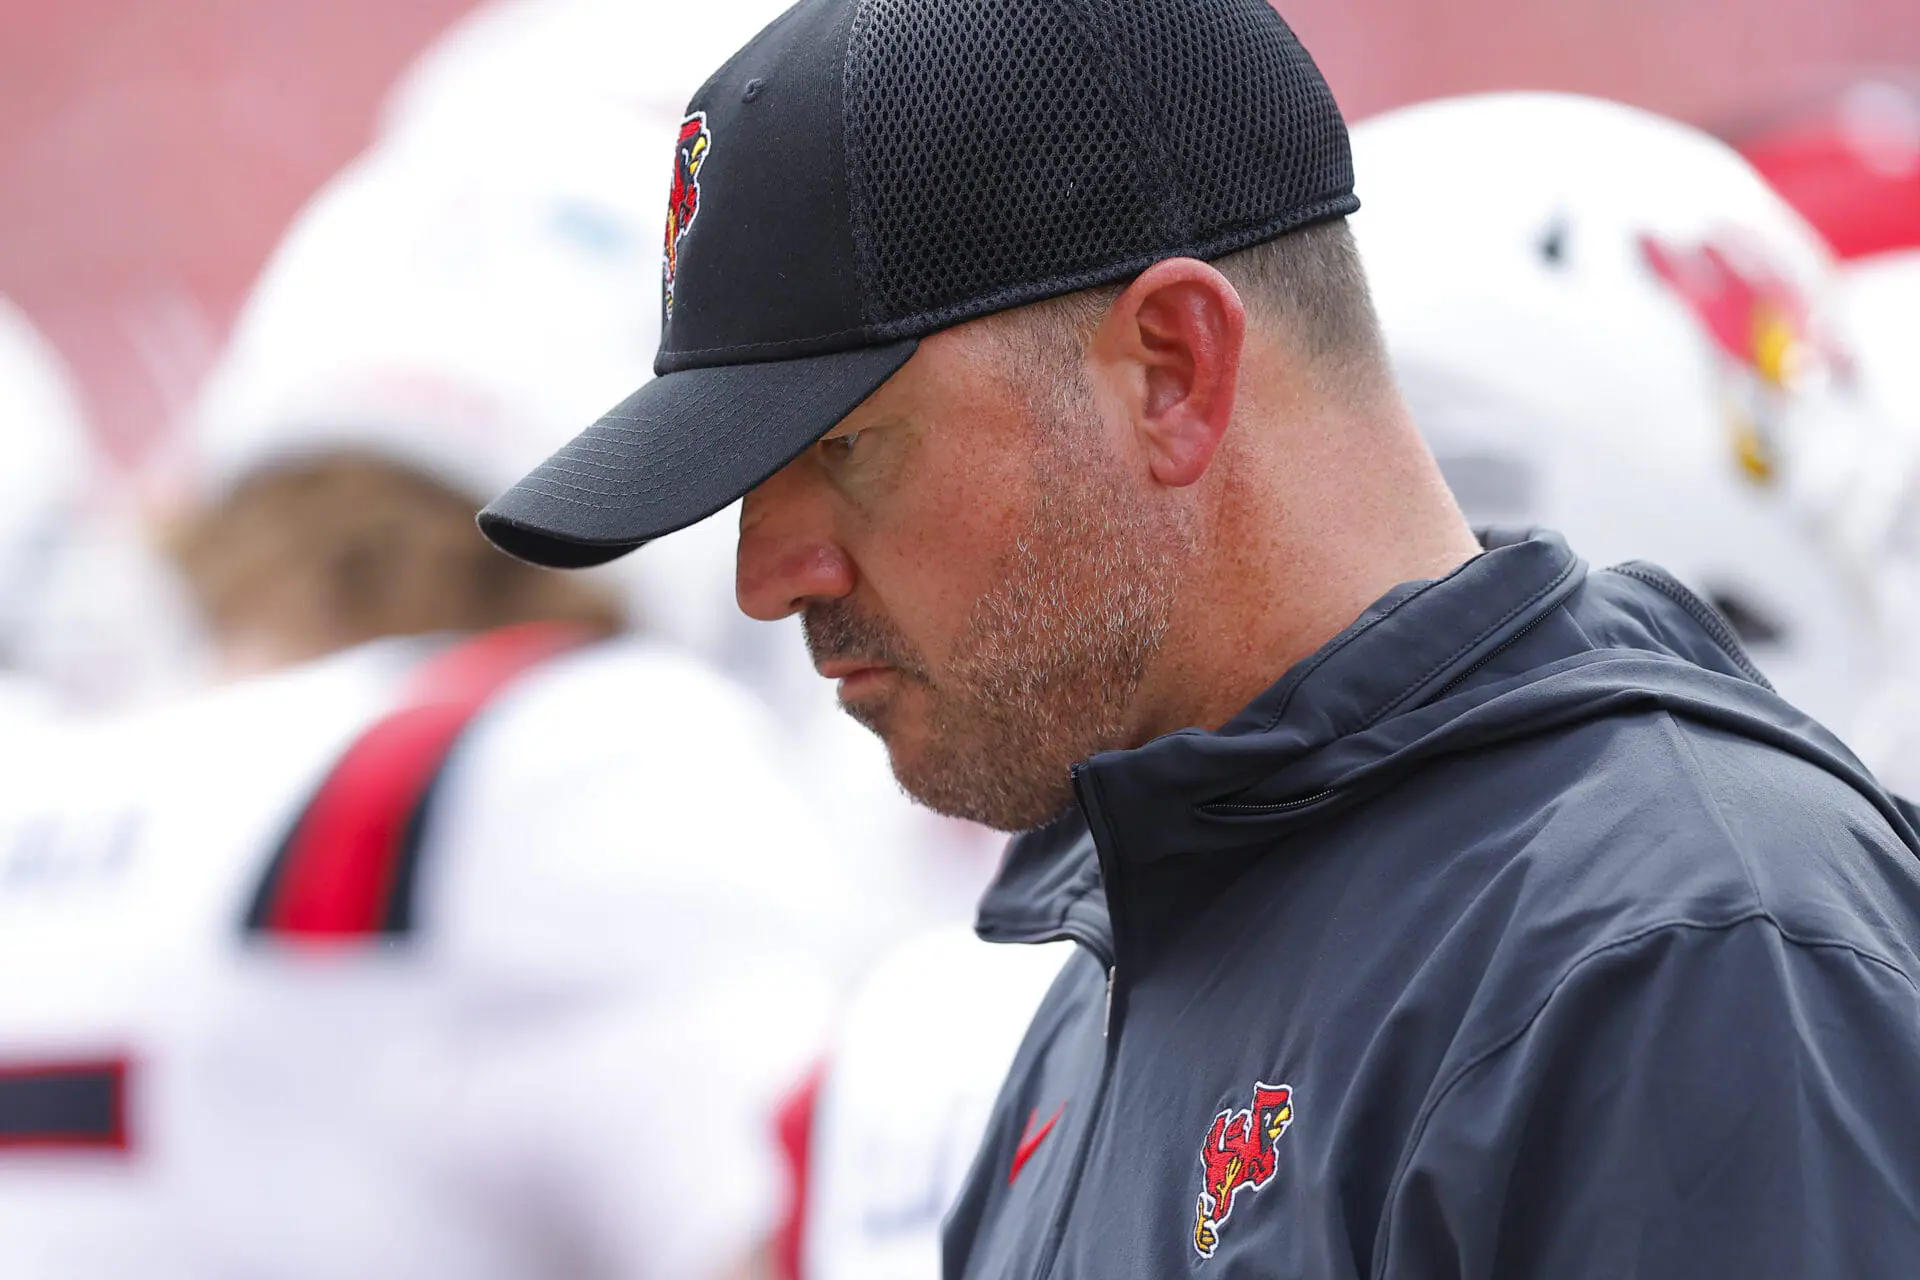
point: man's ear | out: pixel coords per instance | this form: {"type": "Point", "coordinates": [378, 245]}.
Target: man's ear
{"type": "Point", "coordinates": [1169, 348]}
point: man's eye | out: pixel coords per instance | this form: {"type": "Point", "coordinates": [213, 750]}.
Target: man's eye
{"type": "Point", "coordinates": [841, 447]}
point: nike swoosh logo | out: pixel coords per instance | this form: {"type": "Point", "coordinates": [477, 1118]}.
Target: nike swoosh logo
{"type": "Point", "coordinates": [1031, 1143]}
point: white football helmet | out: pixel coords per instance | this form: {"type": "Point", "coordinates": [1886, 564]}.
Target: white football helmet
{"type": "Point", "coordinates": [511, 60]}
{"type": "Point", "coordinates": [507, 77]}
{"type": "Point", "coordinates": [465, 315]}
{"type": "Point", "coordinates": [1606, 323]}
{"type": "Point", "coordinates": [485, 283]}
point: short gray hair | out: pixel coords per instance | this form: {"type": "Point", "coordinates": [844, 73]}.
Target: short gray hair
{"type": "Point", "coordinates": [1309, 285]}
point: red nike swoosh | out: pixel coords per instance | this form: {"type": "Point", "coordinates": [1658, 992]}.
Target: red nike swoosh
{"type": "Point", "coordinates": [1031, 1143]}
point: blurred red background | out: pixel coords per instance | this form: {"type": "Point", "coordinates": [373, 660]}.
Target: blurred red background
{"type": "Point", "coordinates": [152, 150]}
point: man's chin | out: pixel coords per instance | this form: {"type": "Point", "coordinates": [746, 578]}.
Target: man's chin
{"type": "Point", "coordinates": [941, 774]}
{"type": "Point", "coordinates": [961, 788]}
{"type": "Point", "coordinates": [997, 812]}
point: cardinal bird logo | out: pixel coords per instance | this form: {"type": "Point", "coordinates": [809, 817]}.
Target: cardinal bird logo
{"type": "Point", "coordinates": [683, 202]}
{"type": "Point", "coordinates": [1757, 318]}
{"type": "Point", "coordinates": [1238, 1158]}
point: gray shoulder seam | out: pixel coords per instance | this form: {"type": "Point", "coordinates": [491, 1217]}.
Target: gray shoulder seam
{"type": "Point", "coordinates": [1602, 951]}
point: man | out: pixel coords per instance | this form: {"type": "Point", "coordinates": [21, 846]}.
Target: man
{"type": "Point", "coordinates": [464, 937]}
{"type": "Point", "coordinates": [1448, 908]}
{"type": "Point", "coordinates": [1561, 376]}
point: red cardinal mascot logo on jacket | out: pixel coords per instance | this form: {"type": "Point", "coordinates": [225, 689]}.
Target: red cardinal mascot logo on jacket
{"type": "Point", "coordinates": [1237, 1157]}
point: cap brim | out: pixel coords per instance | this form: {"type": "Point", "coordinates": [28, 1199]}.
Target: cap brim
{"type": "Point", "coordinates": [677, 450]}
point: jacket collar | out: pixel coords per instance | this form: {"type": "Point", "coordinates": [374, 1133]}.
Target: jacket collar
{"type": "Point", "coordinates": [1413, 644]}
{"type": "Point", "coordinates": [1048, 887]}
{"type": "Point", "coordinates": [1407, 647]}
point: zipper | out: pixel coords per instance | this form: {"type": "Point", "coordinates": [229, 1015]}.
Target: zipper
{"type": "Point", "coordinates": [1278, 806]}
{"type": "Point", "coordinates": [1490, 655]}
{"type": "Point", "coordinates": [1070, 1190]}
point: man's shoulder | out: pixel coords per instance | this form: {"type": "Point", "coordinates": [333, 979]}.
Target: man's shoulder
{"type": "Point", "coordinates": [1796, 833]}
{"type": "Point", "coordinates": [1635, 824]}
{"type": "Point", "coordinates": [1625, 864]}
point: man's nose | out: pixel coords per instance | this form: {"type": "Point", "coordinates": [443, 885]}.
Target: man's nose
{"type": "Point", "coordinates": [787, 557]}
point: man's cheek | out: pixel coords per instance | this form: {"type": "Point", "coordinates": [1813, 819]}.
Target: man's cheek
{"type": "Point", "coordinates": [956, 536]}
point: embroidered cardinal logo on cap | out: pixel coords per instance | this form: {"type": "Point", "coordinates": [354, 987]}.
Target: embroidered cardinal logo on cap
{"type": "Point", "coordinates": [683, 202]}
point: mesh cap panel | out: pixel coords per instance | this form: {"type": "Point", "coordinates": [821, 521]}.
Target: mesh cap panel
{"type": "Point", "coordinates": [986, 151]}
{"type": "Point", "coordinates": [1002, 151]}
{"type": "Point", "coordinates": [1250, 123]}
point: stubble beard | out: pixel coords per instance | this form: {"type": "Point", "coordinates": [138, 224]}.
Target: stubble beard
{"type": "Point", "coordinates": [1048, 670]}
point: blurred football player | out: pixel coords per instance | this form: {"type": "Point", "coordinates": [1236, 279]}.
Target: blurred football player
{"type": "Point", "coordinates": [459, 937]}
{"type": "Point", "coordinates": [1637, 344]}
{"type": "Point", "coordinates": [1847, 158]}
{"type": "Point", "coordinates": [1882, 300]}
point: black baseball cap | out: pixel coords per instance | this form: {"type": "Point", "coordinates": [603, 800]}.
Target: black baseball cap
{"type": "Point", "coordinates": [868, 172]}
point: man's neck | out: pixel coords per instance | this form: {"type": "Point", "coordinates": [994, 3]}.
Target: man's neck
{"type": "Point", "coordinates": [1289, 572]}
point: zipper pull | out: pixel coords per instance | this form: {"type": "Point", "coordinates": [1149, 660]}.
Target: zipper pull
{"type": "Point", "coordinates": [1106, 1021]}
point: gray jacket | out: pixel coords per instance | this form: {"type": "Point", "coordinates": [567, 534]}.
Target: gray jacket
{"type": "Point", "coordinates": [1521, 931]}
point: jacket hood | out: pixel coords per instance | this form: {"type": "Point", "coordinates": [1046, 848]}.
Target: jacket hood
{"type": "Point", "coordinates": [1519, 641]}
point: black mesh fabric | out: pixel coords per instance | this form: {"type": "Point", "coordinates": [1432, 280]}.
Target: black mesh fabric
{"type": "Point", "coordinates": [1250, 124]}
{"type": "Point", "coordinates": [985, 151]}
{"type": "Point", "coordinates": [1001, 151]}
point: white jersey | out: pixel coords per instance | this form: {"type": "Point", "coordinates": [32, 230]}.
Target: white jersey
{"type": "Point", "coordinates": [910, 1086]}
{"type": "Point", "coordinates": [619, 938]}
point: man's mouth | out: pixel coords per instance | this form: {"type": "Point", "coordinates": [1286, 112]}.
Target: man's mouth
{"type": "Point", "coordinates": [856, 675]}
